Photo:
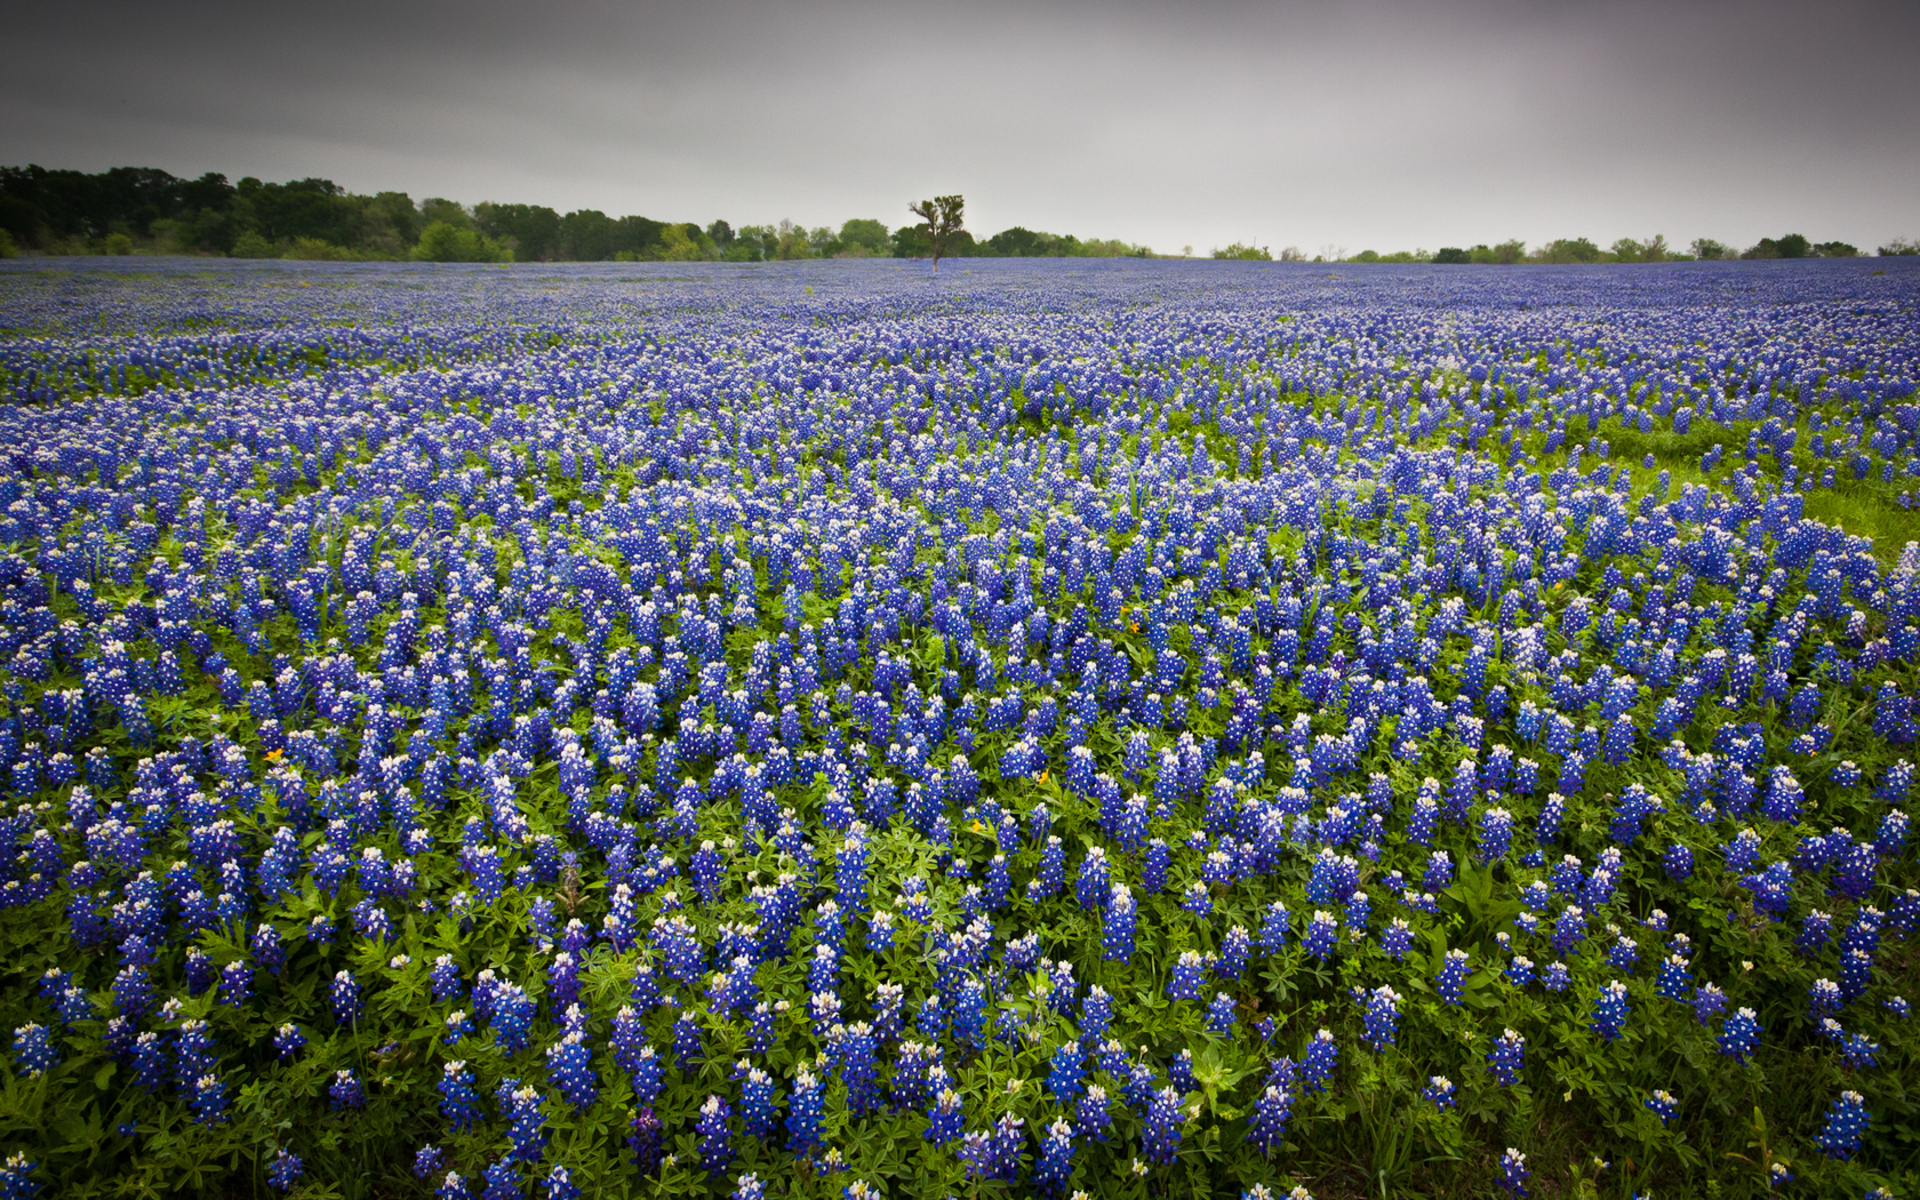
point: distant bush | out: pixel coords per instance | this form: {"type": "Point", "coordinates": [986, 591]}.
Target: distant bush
{"type": "Point", "coordinates": [252, 245]}
{"type": "Point", "coordinates": [1505, 254]}
{"type": "Point", "coordinates": [441, 241]}
{"type": "Point", "coordinates": [1569, 250]}
{"type": "Point", "coordinates": [1245, 253]}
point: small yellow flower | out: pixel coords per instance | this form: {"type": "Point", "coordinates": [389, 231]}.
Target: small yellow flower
{"type": "Point", "coordinates": [977, 827]}
{"type": "Point", "coordinates": [274, 755]}
{"type": "Point", "coordinates": [1043, 777]}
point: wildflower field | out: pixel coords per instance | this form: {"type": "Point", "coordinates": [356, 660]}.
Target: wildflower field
{"type": "Point", "coordinates": [828, 730]}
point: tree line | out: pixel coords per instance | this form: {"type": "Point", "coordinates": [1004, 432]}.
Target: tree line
{"type": "Point", "coordinates": [128, 210]}
{"type": "Point", "coordinates": [1625, 250]}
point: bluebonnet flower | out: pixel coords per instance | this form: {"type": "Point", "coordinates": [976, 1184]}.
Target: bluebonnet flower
{"type": "Point", "coordinates": [1708, 1001]}
{"type": "Point", "coordinates": [16, 1177]}
{"type": "Point", "coordinates": [346, 1091]}
{"type": "Point", "coordinates": [1496, 835]}
{"type": "Point", "coordinates": [1055, 1167]}
{"type": "Point", "coordinates": [560, 1185]}
{"type": "Point", "coordinates": [284, 1170]}
{"type": "Point", "coordinates": [1189, 975]}
{"type": "Point", "coordinates": [1220, 1019]}
{"type": "Point", "coordinates": [1323, 933]}
{"type": "Point", "coordinates": [1507, 1058]}
{"type": "Point", "coordinates": [526, 1124]}
{"type": "Point", "coordinates": [804, 1113]}
{"type": "Point", "coordinates": [1316, 1067]}
{"type": "Point", "coordinates": [1382, 1018]}
{"type": "Point", "coordinates": [570, 1066]}
{"type": "Point", "coordinates": [945, 1119]}
{"type": "Point", "coordinates": [1090, 1115]}
{"type": "Point", "coordinates": [1116, 939]}
{"type": "Point", "coordinates": [345, 993]}
{"type": "Point", "coordinates": [1663, 1105]}
{"type": "Point", "coordinates": [1610, 1011]}
{"type": "Point", "coordinates": [502, 1180]}
{"type": "Point", "coordinates": [1160, 1139]}
{"type": "Point", "coordinates": [1674, 979]}
{"type": "Point", "coordinates": [33, 1050]}
{"type": "Point", "coordinates": [1397, 938]}
{"type": "Point", "coordinates": [1439, 1091]}
{"type": "Point", "coordinates": [1450, 984]}
{"type": "Point", "coordinates": [459, 1103]}
{"type": "Point", "coordinates": [1267, 1128]}
{"type": "Point", "coordinates": [1513, 1173]}
{"type": "Point", "coordinates": [1274, 926]}
{"type": "Point", "coordinates": [1739, 1035]}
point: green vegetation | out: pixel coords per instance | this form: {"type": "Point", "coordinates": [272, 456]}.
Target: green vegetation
{"type": "Point", "coordinates": [143, 210]}
{"type": "Point", "coordinates": [1624, 250]}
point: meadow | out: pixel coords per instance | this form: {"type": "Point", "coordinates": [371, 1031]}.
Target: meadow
{"type": "Point", "coordinates": [1191, 729]}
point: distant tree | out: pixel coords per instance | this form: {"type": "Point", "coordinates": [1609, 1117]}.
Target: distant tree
{"type": "Point", "coordinates": [864, 237]}
{"type": "Point", "coordinates": [1452, 254]}
{"type": "Point", "coordinates": [1244, 253]}
{"type": "Point", "coordinates": [1019, 242]}
{"type": "Point", "coordinates": [910, 241]}
{"type": "Point", "coordinates": [1836, 250]}
{"type": "Point", "coordinates": [1708, 250]}
{"type": "Point", "coordinates": [943, 219]}
{"type": "Point", "coordinates": [1505, 254]}
{"type": "Point", "coordinates": [448, 212]}
{"type": "Point", "coordinates": [1791, 246]}
{"type": "Point", "coordinates": [531, 230]}
{"type": "Point", "coordinates": [685, 242]}
{"type": "Point", "coordinates": [1569, 250]}
{"type": "Point", "coordinates": [442, 241]}
{"type": "Point", "coordinates": [752, 243]}
{"type": "Point", "coordinates": [1295, 254]}
{"type": "Point", "coordinates": [721, 234]}
{"type": "Point", "coordinates": [791, 242]}
{"type": "Point", "coordinates": [1900, 248]}
{"type": "Point", "coordinates": [586, 235]}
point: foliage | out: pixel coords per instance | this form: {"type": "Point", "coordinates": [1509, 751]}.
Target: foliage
{"type": "Point", "coordinates": [443, 241]}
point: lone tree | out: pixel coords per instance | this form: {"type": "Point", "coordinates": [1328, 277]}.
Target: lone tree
{"type": "Point", "coordinates": [942, 215]}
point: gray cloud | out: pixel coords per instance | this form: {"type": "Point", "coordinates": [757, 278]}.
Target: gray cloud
{"type": "Point", "coordinates": [1376, 124]}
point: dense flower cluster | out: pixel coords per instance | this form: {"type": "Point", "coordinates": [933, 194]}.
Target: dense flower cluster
{"type": "Point", "coordinates": [772, 733]}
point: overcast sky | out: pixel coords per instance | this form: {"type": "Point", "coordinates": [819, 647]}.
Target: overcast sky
{"type": "Point", "coordinates": [1389, 125]}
